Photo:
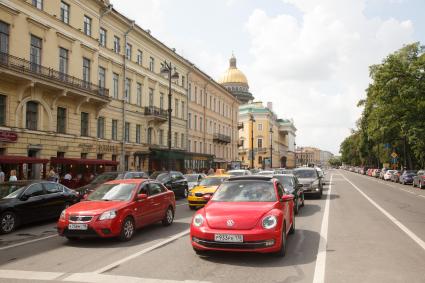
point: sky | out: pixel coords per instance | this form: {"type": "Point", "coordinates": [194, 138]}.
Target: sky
{"type": "Point", "coordinates": [310, 58]}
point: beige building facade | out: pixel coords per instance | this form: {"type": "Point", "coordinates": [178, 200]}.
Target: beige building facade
{"type": "Point", "coordinates": [81, 90]}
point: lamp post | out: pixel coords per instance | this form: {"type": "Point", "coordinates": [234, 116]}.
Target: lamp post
{"type": "Point", "coordinates": [167, 70]}
{"type": "Point", "coordinates": [271, 147]}
{"type": "Point", "coordinates": [251, 118]}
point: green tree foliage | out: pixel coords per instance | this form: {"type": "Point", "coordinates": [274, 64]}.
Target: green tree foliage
{"type": "Point", "coordinates": [393, 114]}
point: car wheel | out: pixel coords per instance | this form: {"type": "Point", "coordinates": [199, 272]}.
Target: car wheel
{"type": "Point", "coordinates": [282, 250]}
{"type": "Point", "coordinates": [169, 217]}
{"type": "Point", "coordinates": [8, 222]}
{"type": "Point", "coordinates": [292, 230]}
{"type": "Point", "coordinates": [319, 194]}
{"type": "Point", "coordinates": [127, 229]}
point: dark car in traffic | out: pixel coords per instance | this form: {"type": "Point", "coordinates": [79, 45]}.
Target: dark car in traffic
{"type": "Point", "coordinates": [291, 185]}
{"type": "Point", "coordinates": [23, 202]}
{"type": "Point", "coordinates": [109, 176]}
{"type": "Point", "coordinates": [174, 181]}
{"type": "Point", "coordinates": [312, 182]}
{"type": "Point", "coordinates": [395, 177]}
{"type": "Point", "coordinates": [407, 177]}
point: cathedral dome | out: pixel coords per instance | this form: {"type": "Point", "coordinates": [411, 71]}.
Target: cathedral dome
{"type": "Point", "coordinates": [233, 75]}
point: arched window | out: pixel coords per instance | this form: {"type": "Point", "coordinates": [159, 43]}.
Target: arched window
{"type": "Point", "coordinates": [32, 115]}
{"type": "Point", "coordinates": [150, 131]}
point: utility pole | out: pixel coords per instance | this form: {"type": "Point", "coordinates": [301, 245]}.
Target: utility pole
{"type": "Point", "coordinates": [251, 118]}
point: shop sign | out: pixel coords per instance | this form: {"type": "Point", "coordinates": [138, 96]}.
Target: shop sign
{"type": "Point", "coordinates": [7, 136]}
{"type": "Point", "coordinates": [85, 147]}
{"type": "Point", "coordinates": [107, 148]}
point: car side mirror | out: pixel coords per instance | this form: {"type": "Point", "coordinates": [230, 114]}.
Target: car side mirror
{"type": "Point", "coordinates": [141, 197]}
{"type": "Point", "coordinates": [207, 198]}
{"type": "Point", "coordinates": [24, 197]}
{"type": "Point", "coordinates": [286, 198]}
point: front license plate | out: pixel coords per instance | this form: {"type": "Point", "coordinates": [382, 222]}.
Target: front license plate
{"type": "Point", "coordinates": [228, 238]}
{"type": "Point", "coordinates": [77, 226]}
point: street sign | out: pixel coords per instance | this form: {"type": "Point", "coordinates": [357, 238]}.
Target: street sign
{"type": "Point", "coordinates": [394, 155]}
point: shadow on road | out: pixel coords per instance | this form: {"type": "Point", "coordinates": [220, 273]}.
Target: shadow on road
{"type": "Point", "coordinates": [309, 210]}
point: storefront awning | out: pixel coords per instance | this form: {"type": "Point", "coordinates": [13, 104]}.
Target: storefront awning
{"type": "Point", "coordinates": [164, 154]}
{"type": "Point", "coordinates": [9, 159]}
{"type": "Point", "coordinates": [78, 161]}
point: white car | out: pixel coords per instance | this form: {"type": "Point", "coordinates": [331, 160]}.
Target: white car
{"type": "Point", "coordinates": [238, 172]}
{"type": "Point", "coordinates": [388, 174]}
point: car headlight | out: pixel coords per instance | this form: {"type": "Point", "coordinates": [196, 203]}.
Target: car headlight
{"type": "Point", "coordinates": [269, 222]}
{"type": "Point", "coordinates": [198, 220]}
{"type": "Point", "coordinates": [111, 214]}
{"type": "Point", "coordinates": [63, 215]}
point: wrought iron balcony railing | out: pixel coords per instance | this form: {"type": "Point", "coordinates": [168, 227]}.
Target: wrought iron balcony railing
{"type": "Point", "coordinates": [24, 66]}
{"type": "Point", "coordinates": [220, 138]}
{"type": "Point", "coordinates": [156, 112]}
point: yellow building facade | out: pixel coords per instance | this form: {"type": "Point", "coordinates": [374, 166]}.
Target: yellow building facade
{"type": "Point", "coordinates": [81, 89]}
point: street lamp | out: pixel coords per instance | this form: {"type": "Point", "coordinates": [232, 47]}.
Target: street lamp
{"type": "Point", "coordinates": [251, 118]}
{"type": "Point", "coordinates": [271, 147]}
{"type": "Point", "coordinates": [167, 71]}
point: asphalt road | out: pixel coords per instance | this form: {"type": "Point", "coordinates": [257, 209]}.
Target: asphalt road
{"type": "Point", "coordinates": [362, 230]}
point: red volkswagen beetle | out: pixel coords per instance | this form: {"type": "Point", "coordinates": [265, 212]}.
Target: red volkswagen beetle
{"type": "Point", "coordinates": [117, 208]}
{"type": "Point", "coordinates": [247, 213]}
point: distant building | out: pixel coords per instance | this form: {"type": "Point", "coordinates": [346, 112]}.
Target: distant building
{"type": "Point", "coordinates": [309, 156]}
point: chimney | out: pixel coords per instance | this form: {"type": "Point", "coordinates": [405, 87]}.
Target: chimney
{"type": "Point", "coordinates": [270, 106]}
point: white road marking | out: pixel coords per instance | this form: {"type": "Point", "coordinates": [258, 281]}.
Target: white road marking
{"type": "Point", "coordinates": [421, 196]}
{"type": "Point", "coordinates": [406, 230]}
{"type": "Point", "coordinates": [102, 278]}
{"type": "Point", "coordinates": [151, 248]}
{"type": "Point", "coordinates": [181, 204]}
{"type": "Point", "coordinates": [27, 242]}
{"type": "Point", "coordinates": [29, 275]}
{"type": "Point", "coordinates": [319, 271]}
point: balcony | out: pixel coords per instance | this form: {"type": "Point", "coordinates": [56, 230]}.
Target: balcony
{"type": "Point", "coordinates": [240, 126]}
{"type": "Point", "coordinates": [25, 67]}
{"type": "Point", "coordinates": [220, 138]}
{"type": "Point", "coordinates": [156, 114]}
{"type": "Point", "coordinates": [261, 150]}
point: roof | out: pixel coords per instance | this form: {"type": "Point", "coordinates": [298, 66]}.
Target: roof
{"type": "Point", "coordinates": [233, 74]}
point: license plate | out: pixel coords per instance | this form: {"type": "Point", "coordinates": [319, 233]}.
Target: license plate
{"type": "Point", "coordinates": [77, 227]}
{"type": "Point", "coordinates": [228, 238]}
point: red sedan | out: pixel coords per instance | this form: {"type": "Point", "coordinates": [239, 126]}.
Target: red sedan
{"type": "Point", "coordinates": [117, 208]}
{"type": "Point", "coordinates": [249, 213]}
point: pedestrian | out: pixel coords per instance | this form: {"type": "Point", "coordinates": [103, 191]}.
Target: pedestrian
{"type": "Point", "coordinates": [67, 176]}
{"type": "Point", "coordinates": [53, 177]}
{"type": "Point", "coordinates": [1, 176]}
{"type": "Point", "coordinates": [13, 177]}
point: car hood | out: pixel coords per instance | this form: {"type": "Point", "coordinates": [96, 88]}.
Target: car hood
{"type": "Point", "coordinates": [204, 189]}
{"type": "Point", "coordinates": [245, 215]}
{"type": "Point", "coordinates": [5, 202]}
{"type": "Point", "coordinates": [192, 184]}
{"type": "Point", "coordinates": [94, 207]}
{"type": "Point", "coordinates": [306, 180]}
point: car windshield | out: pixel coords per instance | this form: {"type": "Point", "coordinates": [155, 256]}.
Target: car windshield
{"type": "Point", "coordinates": [216, 181]}
{"type": "Point", "coordinates": [191, 178]}
{"type": "Point", "coordinates": [410, 172]}
{"type": "Point", "coordinates": [236, 173]}
{"type": "Point", "coordinates": [106, 192]}
{"type": "Point", "coordinates": [102, 178]}
{"type": "Point", "coordinates": [163, 177]}
{"type": "Point", "coordinates": [287, 182]}
{"type": "Point", "coordinates": [305, 173]}
{"type": "Point", "coordinates": [246, 191]}
{"type": "Point", "coordinates": [11, 190]}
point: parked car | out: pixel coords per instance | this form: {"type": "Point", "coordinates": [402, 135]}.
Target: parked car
{"type": "Point", "coordinates": [312, 183]}
{"type": "Point", "coordinates": [207, 187]}
{"type": "Point", "coordinates": [239, 172]}
{"type": "Point", "coordinates": [407, 177]}
{"type": "Point", "coordinates": [174, 181]}
{"type": "Point", "coordinates": [376, 173]}
{"type": "Point", "coordinates": [109, 176]}
{"type": "Point", "coordinates": [117, 208]}
{"type": "Point", "coordinates": [419, 179]}
{"type": "Point", "coordinates": [388, 174]}
{"type": "Point", "coordinates": [266, 172]}
{"type": "Point", "coordinates": [23, 202]}
{"type": "Point", "coordinates": [246, 214]}
{"type": "Point", "coordinates": [395, 176]}
{"type": "Point", "coordinates": [382, 173]}
{"type": "Point", "coordinates": [193, 180]}
{"type": "Point", "coordinates": [291, 185]}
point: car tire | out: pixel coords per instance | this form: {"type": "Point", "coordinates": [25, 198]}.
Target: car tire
{"type": "Point", "coordinates": [319, 195]}
{"type": "Point", "coordinates": [292, 230]}
{"type": "Point", "coordinates": [127, 229]}
{"type": "Point", "coordinates": [282, 251]}
{"type": "Point", "coordinates": [8, 222]}
{"type": "Point", "coordinates": [169, 217]}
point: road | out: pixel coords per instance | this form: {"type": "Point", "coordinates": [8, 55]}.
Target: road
{"type": "Point", "coordinates": [362, 230]}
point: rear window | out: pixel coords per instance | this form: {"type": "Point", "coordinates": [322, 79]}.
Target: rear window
{"type": "Point", "coordinates": [246, 191]}
{"type": "Point", "coordinates": [305, 173]}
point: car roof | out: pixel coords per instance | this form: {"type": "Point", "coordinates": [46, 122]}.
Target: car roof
{"type": "Point", "coordinates": [251, 177]}
{"type": "Point", "coordinates": [284, 175]}
{"type": "Point", "coordinates": [128, 181]}
{"type": "Point", "coordinates": [305, 168]}
{"type": "Point", "coordinates": [218, 176]}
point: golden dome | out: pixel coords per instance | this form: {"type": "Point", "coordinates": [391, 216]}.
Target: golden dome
{"type": "Point", "coordinates": [233, 74]}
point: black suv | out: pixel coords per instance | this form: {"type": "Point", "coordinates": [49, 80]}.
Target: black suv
{"type": "Point", "coordinates": [174, 181]}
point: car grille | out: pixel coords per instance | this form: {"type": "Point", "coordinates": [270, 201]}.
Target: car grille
{"type": "Point", "coordinates": [242, 246]}
{"type": "Point", "coordinates": [80, 233]}
{"type": "Point", "coordinates": [199, 194]}
{"type": "Point", "coordinates": [80, 218]}
{"type": "Point", "coordinates": [197, 202]}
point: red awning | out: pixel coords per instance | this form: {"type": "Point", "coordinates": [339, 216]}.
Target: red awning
{"type": "Point", "coordinates": [78, 161]}
{"type": "Point", "coordinates": [9, 159]}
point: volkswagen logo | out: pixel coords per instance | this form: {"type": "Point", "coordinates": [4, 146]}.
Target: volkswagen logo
{"type": "Point", "coordinates": [230, 223]}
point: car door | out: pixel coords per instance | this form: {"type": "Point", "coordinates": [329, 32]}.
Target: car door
{"type": "Point", "coordinates": [283, 205]}
{"type": "Point", "coordinates": [157, 195]}
{"type": "Point", "coordinates": [31, 205]}
{"type": "Point", "coordinates": [143, 209]}
{"type": "Point", "coordinates": [55, 199]}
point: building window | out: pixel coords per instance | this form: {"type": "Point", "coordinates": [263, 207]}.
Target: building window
{"type": "Point", "coordinates": [260, 127]}
{"type": "Point", "coordinates": [63, 61]}
{"type": "Point", "coordinates": [201, 98]}
{"type": "Point", "coordinates": [138, 134]}
{"type": "Point", "coordinates": [189, 121]}
{"type": "Point", "coordinates": [176, 137]}
{"type": "Point", "coordinates": [115, 83]}
{"type": "Point", "coordinates": [101, 128]}
{"type": "Point", "coordinates": [152, 64]}
{"type": "Point", "coordinates": [84, 124]}
{"type": "Point", "coordinates": [127, 132]}
{"type": "Point", "coordinates": [127, 90]}
{"type": "Point", "coordinates": [2, 110]}
{"type": "Point", "coordinates": [196, 94]}
{"type": "Point", "coordinates": [260, 143]}
{"type": "Point", "coordinates": [139, 57]}
{"type": "Point", "coordinates": [99, 156]}
{"type": "Point", "coordinates": [260, 160]}
{"type": "Point", "coordinates": [87, 25]}
{"type": "Point", "coordinates": [86, 70]}
{"type": "Point", "coordinates": [102, 77]}
{"type": "Point", "coordinates": [114, 130]}
{"type": "Point", "coordinates": [176, 107]}
{"type": "Point", "coordinates": [117, 45]}
{"type": "Point", "coordinates": [195, 145]}
{"type": "Point", "coordinates": [35, 53]}
{"type": "Point", "coordinates": [190, 92]}
{"type": "Point", "coordinates": [32, 115]}
{"type": "Point", "coordinates": [64, 12]}
{"type": "Point", "coordinates": [83, 155]}
{"type": "Point", "coordinates": [183, 80]}
{"type": "Point", "coordinates": [38, 4]}
{"type": "Point", "coordinates": [201, 150]}
{"type": "Point", "coordinates": [114, 157]}
{"type": "Point", "coordinates": [4, 37]}
{"type": "Point", "coordinates": [102, 37]}
{"type": "Point", "coordinates": [139, 94]}
{"type": "Point", "coordinates": [195, 122]}
{"type": "Point", "coordinates": [61, 120]}
{"type": "Point", "coordinates": [128, 51]}
{"type": "Point", "coordinates": [200, 124]}
{"type": "Point", "coordinates": [150, 135]}
{"type": "Point", "coordinates": [161, 101]}
{"type": "Point", "coordinates": [161, 137]}
{"type": "Point", "coordinates": [151, 97]}
{"type": "Point", "coordinates": [210, 149]}
{"type": "Point", "coordinates": [182, 141]}
{"type": "Point", "coordinates": [183, 110]}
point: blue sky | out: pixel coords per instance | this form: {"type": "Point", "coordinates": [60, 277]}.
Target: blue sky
{"type": "Point", "coordinates": [309, 57]}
